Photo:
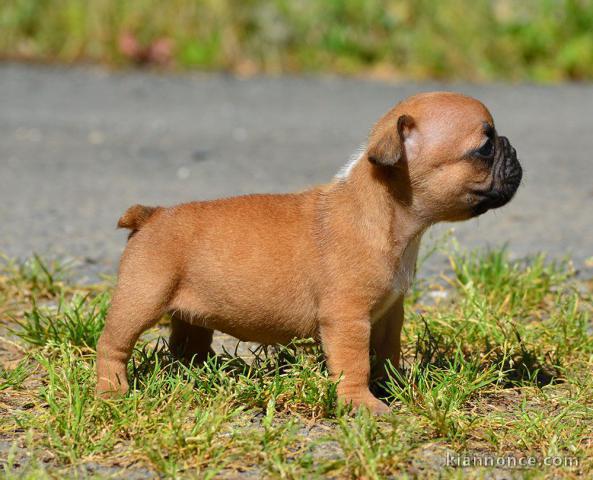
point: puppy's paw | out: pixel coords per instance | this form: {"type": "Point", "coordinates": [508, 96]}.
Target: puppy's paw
{"type": "Point", "coordinates": [376, 406]}
{"type": "Point", "coordinates": [367, 401]}
{"type": "Point", "coordinates": [110, 389]}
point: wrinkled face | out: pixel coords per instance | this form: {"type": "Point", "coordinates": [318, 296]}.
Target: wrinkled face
{"type": "Point", "coordinates": [456, 164]}
{"type": "Point", "coordinates": [505, 173]}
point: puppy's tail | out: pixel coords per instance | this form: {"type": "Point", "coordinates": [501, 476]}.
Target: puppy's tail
{"type": "Point", "coordinates": [134, 217]}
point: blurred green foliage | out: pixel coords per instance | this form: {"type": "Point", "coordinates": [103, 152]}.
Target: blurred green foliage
{"type": "Point", "coordinates": [476, 40]}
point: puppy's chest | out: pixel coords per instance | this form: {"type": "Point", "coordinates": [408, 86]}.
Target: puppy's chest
{"type": "Point", "coordinates": [401, 281]}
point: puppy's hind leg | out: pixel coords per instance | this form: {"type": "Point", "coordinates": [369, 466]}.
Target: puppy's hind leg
{"type": "Point", "coordinates": [190, 343]}
{"type": "Point", "coordinates": [138, 303]}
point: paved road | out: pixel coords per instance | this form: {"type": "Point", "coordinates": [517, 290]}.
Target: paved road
{"type": "Point", "coordinates": [79, 146]}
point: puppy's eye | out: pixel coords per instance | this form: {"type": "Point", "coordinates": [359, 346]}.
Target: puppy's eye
{"type": "Point", "coordinates": [486, 150]}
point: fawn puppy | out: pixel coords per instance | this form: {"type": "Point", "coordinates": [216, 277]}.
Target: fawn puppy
{"type": "Point", "coordinates": [332, 262]}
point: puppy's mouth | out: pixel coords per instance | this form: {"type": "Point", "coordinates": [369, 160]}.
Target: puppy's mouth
{"type": "Point", "coordinates": [506, 178]}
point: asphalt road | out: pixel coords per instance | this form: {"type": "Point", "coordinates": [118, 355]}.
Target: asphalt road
{"type": "Point", "coordinates": [78, 146]}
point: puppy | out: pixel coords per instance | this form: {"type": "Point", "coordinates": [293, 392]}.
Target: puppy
{"type": "Point", "coordinates": [332, 262]}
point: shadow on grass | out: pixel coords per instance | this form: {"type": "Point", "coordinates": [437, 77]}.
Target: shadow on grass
{"type": "Point", "coordinates": [526, 366]}
{"type": "Point", "coordinates": [293, 377]}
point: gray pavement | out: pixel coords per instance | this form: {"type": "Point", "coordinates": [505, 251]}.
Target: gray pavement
{"type": "Point", "coordinates": [78, 146]}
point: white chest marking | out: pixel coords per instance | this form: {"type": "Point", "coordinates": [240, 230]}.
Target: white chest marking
{"type": "Point", "coordinates": [354, 158]}
{"type": "Point", "coordinates": [402, 279]}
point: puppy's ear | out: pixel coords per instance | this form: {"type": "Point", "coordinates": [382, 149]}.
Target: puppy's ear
{"type": "Point", "coordinates": [386, 147]}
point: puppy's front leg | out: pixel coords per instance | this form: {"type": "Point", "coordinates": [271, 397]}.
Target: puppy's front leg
{"type": "Point", "coordinates": [386, 338]}
{"type": "Point", "coordinates": [345, 337]}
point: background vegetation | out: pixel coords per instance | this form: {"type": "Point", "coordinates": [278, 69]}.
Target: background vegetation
{"type": "Point", "coordinates": [477, 40]}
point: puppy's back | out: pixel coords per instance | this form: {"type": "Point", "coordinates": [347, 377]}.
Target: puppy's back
{"type": "Point", "coordinates": [247, 257]}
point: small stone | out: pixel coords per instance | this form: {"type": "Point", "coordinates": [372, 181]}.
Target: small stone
{"type": "Point", "coordinates": [438, 294]}
{"type": "Point", "coordinates": [96, 137]}
{"type": "Point", "coordinates": [183, 173]}
{"type": "Point", "coordinates": [239, 134]}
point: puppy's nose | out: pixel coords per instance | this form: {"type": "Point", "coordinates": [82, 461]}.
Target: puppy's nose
{"type": "Point", "coordinates": [509, 152]}
{"type": "Point", "coordinates": [514, 173]}
{"type": "Point", "coordinates": [510, 170]}
{"type": "Point", "coordinates": [507, 148]}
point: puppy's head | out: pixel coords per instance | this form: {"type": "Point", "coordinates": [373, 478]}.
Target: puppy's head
{"type": "Point", "coordinates": [445, 156]}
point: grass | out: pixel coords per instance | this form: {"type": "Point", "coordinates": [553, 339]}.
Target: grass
{"type": "Point", "coordinates": [476, 40]}
{"type": "Point", "coordinates": [499, 367]}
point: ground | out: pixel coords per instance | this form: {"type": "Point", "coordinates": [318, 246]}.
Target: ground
{"type": "Point", "coordinates": [497, 368]}
{"type": "Point", "coordinates": [497, 348]}
{"type": "Point", "coordinates": [81, 145]}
